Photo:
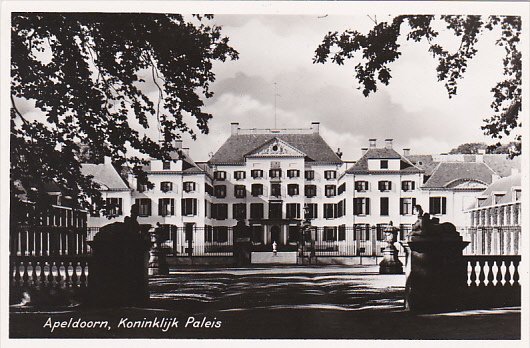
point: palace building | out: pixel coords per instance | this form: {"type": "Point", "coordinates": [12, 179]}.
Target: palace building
{"type": "Point", "coordinates": [273, 178]}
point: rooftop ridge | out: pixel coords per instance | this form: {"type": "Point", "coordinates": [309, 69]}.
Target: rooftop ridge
{"type": "Point", "coordinates": [242, 131]}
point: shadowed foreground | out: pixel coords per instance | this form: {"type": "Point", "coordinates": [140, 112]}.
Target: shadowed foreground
{"type": "Point", "coordinates": [278, 302]}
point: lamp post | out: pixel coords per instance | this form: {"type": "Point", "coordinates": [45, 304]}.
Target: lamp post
{"type": "Point", "coordinates": [305, 229]}
{"type": "Point", "coordinates": [390, 263]}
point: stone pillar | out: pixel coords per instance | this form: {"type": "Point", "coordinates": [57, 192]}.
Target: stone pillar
{"type": "Point", "coordinates": [437, 280]}
{"type": "Point", "coordinates": [157, 255]}
{"type": "Point", "coordinates": [390, 263]}
{"type": "Point", "coordinates": [242, 244]}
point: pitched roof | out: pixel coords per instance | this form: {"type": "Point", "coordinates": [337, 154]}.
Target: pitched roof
{"type": "Point", "coordinates": [501, 164]}
{"type": "Point", "coordinates": [502, 185]}
{"type": "Point", "coordinates": [448, 172]}
{"type": "Point", "coordinates": [424, 162]}
{"type": "Point", "coordinates": [361, 166]}
{"type": "Point", "coordinates": [104, 174]}
{"type": "Point", "coordinates": [237, 145]}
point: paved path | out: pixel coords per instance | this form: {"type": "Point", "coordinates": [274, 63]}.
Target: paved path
{"type": "Point", "coordinates": [279, 302]}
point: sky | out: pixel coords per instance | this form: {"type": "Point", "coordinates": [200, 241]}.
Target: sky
{"type": "Point", "coordinates": [414, 109]}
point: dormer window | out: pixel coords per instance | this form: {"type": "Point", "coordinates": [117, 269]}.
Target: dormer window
{"type": "Point", "coordinates": [166, 165]}
{"type": "Point", "coordinates": [384, 164]}
{"type": "Point", "coordinates": [497, 196]}
{"type": "Point", "coordinates": [481, 201]}
{"type": "Point", "coordinates": [517, 194]}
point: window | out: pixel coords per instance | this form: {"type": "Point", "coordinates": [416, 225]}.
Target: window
{"type": "Point", "coordinates": [361, 206]}
{"type": "Point", "coordinates": [293, 190]}
{"type": "Point", "coordinates": [141, 187]}
{"type": "Point", "coordinates": [310, 191]}
{"type": "Point", "coordinates": [385, 185]}
{"type": "Point", "coordinates": [166, 165]}
{"type": "Point", "coordinates": [256, 210]}
{"type": "Point", "coordinates": [330, 211]}
{"type": "Point", "coordinates": [240, 191]}
{"type": "Point", "coordinates": [517, 194]}
{"type": "Point", "coordinates": [361, 232]}
{"type": "Point", "coordinates": [438, 205]}
{"type": "Point", "coordinates": [275, 173]}
{"type": "Point", "coordinates": [257, 190]}
{"type": "Point", "coordinates": [208, 189]}
{"type": "Point", "coordinates": [330, 234]}
{"type": "Point", "coordinates": [331, 190]}
{"type": "Point", "coordinates": [310, 175]}
{"type": "Point", "coordinates": [114, 206]}
{"type": "Point", "coordinates": [293, 173]}
{"type": "Point", "coordinates": [219, 175]}
{"type": "Point", "coordinates": [220, 211]}
{"type": "Point", "coordinates": [239, 211]}
{"type": "Point", "coordinates": [361, 186]}
{"type": "Point", "coordinates": [166, 207]}
{"type": "Point", "coordinates": [380, 231]}
{"type": "Point", "coordinates": [383, 206]}
{"type": "Point", "coordinates": [240, 175]}
{"type": "Point", "coordinates": [330, 174]}
{"type": "Point", "coordinates": [342, 188]}
{"type": "Point", "coordinates": [294, 233]}
{"type": "Point", "coordinates": [166, 186]}
{"type": "Point", "coordinates": [144, 206]}
{"type": "Point", "coordinates": [256, 173]}
{"type": "Point", "coordinates": [220, 191]}
{"type": "Point", "coordinates": [408, 185]}
{"type": "Point", "coordinates": [406, 206]}
{"type": "Point", "coordinates": [312, 211]}
{"type": "Point", "coordinates": [384, 164]}
{"type": "Point", "coordinates": [189, 206]}
{"type": "Point", "coordinates": [275, 210]}
{"type": "Point", "coordinates": [276, 190]}
{"type": "Point", "coordinates": [292, 211]}
{"type": "Point", "coordinates": [220, 234]}
{"type": "Point", "coordinates": [342, 232]}
{"type": "Point", "coordinates": [188, 186]}
{"type": "Point", "coordinates": [341, 208]}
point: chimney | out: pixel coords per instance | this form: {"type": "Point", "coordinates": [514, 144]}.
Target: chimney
{"type": "Point", "coordinates": [107, 160]}
{"type": "Point", "coordinates": [481, 151]}
{"type": "Point", "coordinates": [339, 153]}
{"type": "Point", "coordinates": [186, 151]}
{"type": "Point", "coordinates": [373, 143]}
{"type": "Point", "coordinates": [178, 144]}
{"type": "Point", "coordinates": [406, 152]}
{"type": "Point", "coordinates": [388, 143]}
{"type": "Point", "coordinates": [315, 126]}
{"type": "Point", "coordinates": [364, 150]}
{"type": "Point", "coordinates": [234, 128]}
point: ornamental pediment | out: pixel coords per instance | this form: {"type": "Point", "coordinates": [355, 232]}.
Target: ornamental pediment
{"type": "Point", "coordinates": [275, 148]}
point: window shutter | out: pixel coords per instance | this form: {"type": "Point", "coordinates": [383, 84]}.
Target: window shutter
{"type": "Point", "coordinates": [160, 203]}
{"type": "Point", "coordinates": [444, 205]}
{"type": "Point", "coordinates": [183, 206]}
{"type": "Point", "coordinates": [413, 185]}
{"type": "Point", "coordinates": [367, 206]}
{"type": "Point", "coordinates": [389, 185]}
{"type": "Point", "coordinates": [380, 184]}
{"type": "Point", "coordinates": [401, 201]}
{"type": "Point", "coordinates": [120, 204]}
{"type": "Point", "coordinates": [403, 186]}
{"type": "Point", "coordinates": [413, 204]}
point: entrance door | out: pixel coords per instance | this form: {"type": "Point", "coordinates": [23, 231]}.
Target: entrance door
{"type": "Point", "coordinates": [275, 234]}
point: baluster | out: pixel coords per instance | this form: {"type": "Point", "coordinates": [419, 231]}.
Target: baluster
{"type": "Point", "coordinates": [51, 278]}
{"type": "Point", "coordinates": [25, 275]}
{"type": "Point", "coordinates": [17, 272]}
{"type": "Point", "coordinates": [83, 277]}
{"type": "Point", "coordinates": [59, 276]}
{"type": "Point", "coordinates": [481, 275]}
{"type": "Point", "coordinates": [75, 278]}
{"type": "Point", "coordinates": [507, 275]}
{"type": "Point", "coordinates": [473, 275]}
{"type": "Point", "coordinates": [42, 273]}
{"type": "Point", "coordinates": [516, 273]}
{"type": "Point", "coordinates": [490, 272]}
{"type": "Point", "coordinates": [498, 275]}
{"type": "Point", "coordinates": [34, 278]}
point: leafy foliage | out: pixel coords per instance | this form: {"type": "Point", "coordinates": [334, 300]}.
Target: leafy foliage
{"type": "Point", "coordinates": [83, 71]}
{"type": "Point", "coordinates": [379, 47]}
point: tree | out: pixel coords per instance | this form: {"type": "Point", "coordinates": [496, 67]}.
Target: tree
{"type": "Point", "coordinates": [84, 73]}
{"type": "Point", "coordinates": [379, 47]}
{"type": "Point", "coordinates": [469, 148]}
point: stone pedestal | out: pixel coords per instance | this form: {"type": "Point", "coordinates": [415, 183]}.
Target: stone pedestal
{"type": "Point", "coordinates": [157, 255]}
{"type": "Point", "coordinates": [437, 280]}
{"type": "Point", "coordinates": [390, 263]}
{"type": "Point", "coordinates": [242, 244]}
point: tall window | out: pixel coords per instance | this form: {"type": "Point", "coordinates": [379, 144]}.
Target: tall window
{"type": "Point", "coordinates": [293, 173]}
{"type": "Point", "coordinates": [256, 173]}
{"type": "Point", "coordinates": [408, 185]}
{"type": "Point", "coordinates": [361, 232]}
{"type": "Point", "coordinates": [292, 211]}
{"type": "Point", "coordinates": [407, 206]}
{"type": "Point", "coordinates": [239, 175]}
{"type": "Point", "coordinates": [189, 206]}
{"type": "Point", "coordinates": [114, 206]}
{"type": "Point", "coordinates": [166, 186]}
{"type": "Point", "coordinates": [220, 211]}
{"type": "Point", "coordinates": [383, 206]}
{"type": "Point", "coordinates": [341, 208]}
{"type": "Point", "coordinates": [310, 191]}
{"type": "Point", "coordinates": [385, 185]}
{"type": "Point", "coordinates": [275, 173]}
{"type": "Point", "coordinates": [220, 191]}
{"type": "Point", "coordinates": [342, 232]}
{"type": "Point", "coordinates": [188, 186]}
{"type": "Point", "coordinates": [330, 211]}
{"type": "Point", "coordinates": [312, 211]}
{"type": "Point", "coordinates": [144, 206]}
{"type": "Point", "coordinates": [219, 175]}
{"type": "Point", "coordinates": [166, 165]}
{"type": "Point", "coordinates": [276, 190]}
{"type": "Point", "coordinates": [342, 188]}
{"type": "Point", "coordinates": [257, 190]}
{"type": "Point", "coordinates": [166, 207]}
{"type": "Point", "coordinates": [330, 233]}
{"type": "Point", "coordinates": [240, 191]}
{"type": "Point", "coordinates": [141, 187]}
{"type": "Point", "coordinates": [361, 206]}
{"type": "Point", "coordinates": [275, 210]}
{"type": "Point", "coordinates": [331, 190]}
{"type": "Point", "coordinates": [330, 174]}
{"type": "Point", "coordinates": [361, 186]}
{"type": "Point", "coordinates": [310, 175]}
{"type": "Point", "coordinates": [384, 164]}
{"type": "Point", "coordinates": [293, 190]}
{"type": "Point", "coordinates": [239, 211]}
{"type": "Point", "coordinates": [438, 205]}
{"type": "Point", "coordinates": [220, 234]}
{"type": "Point", "coordinates": [256, 210]}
